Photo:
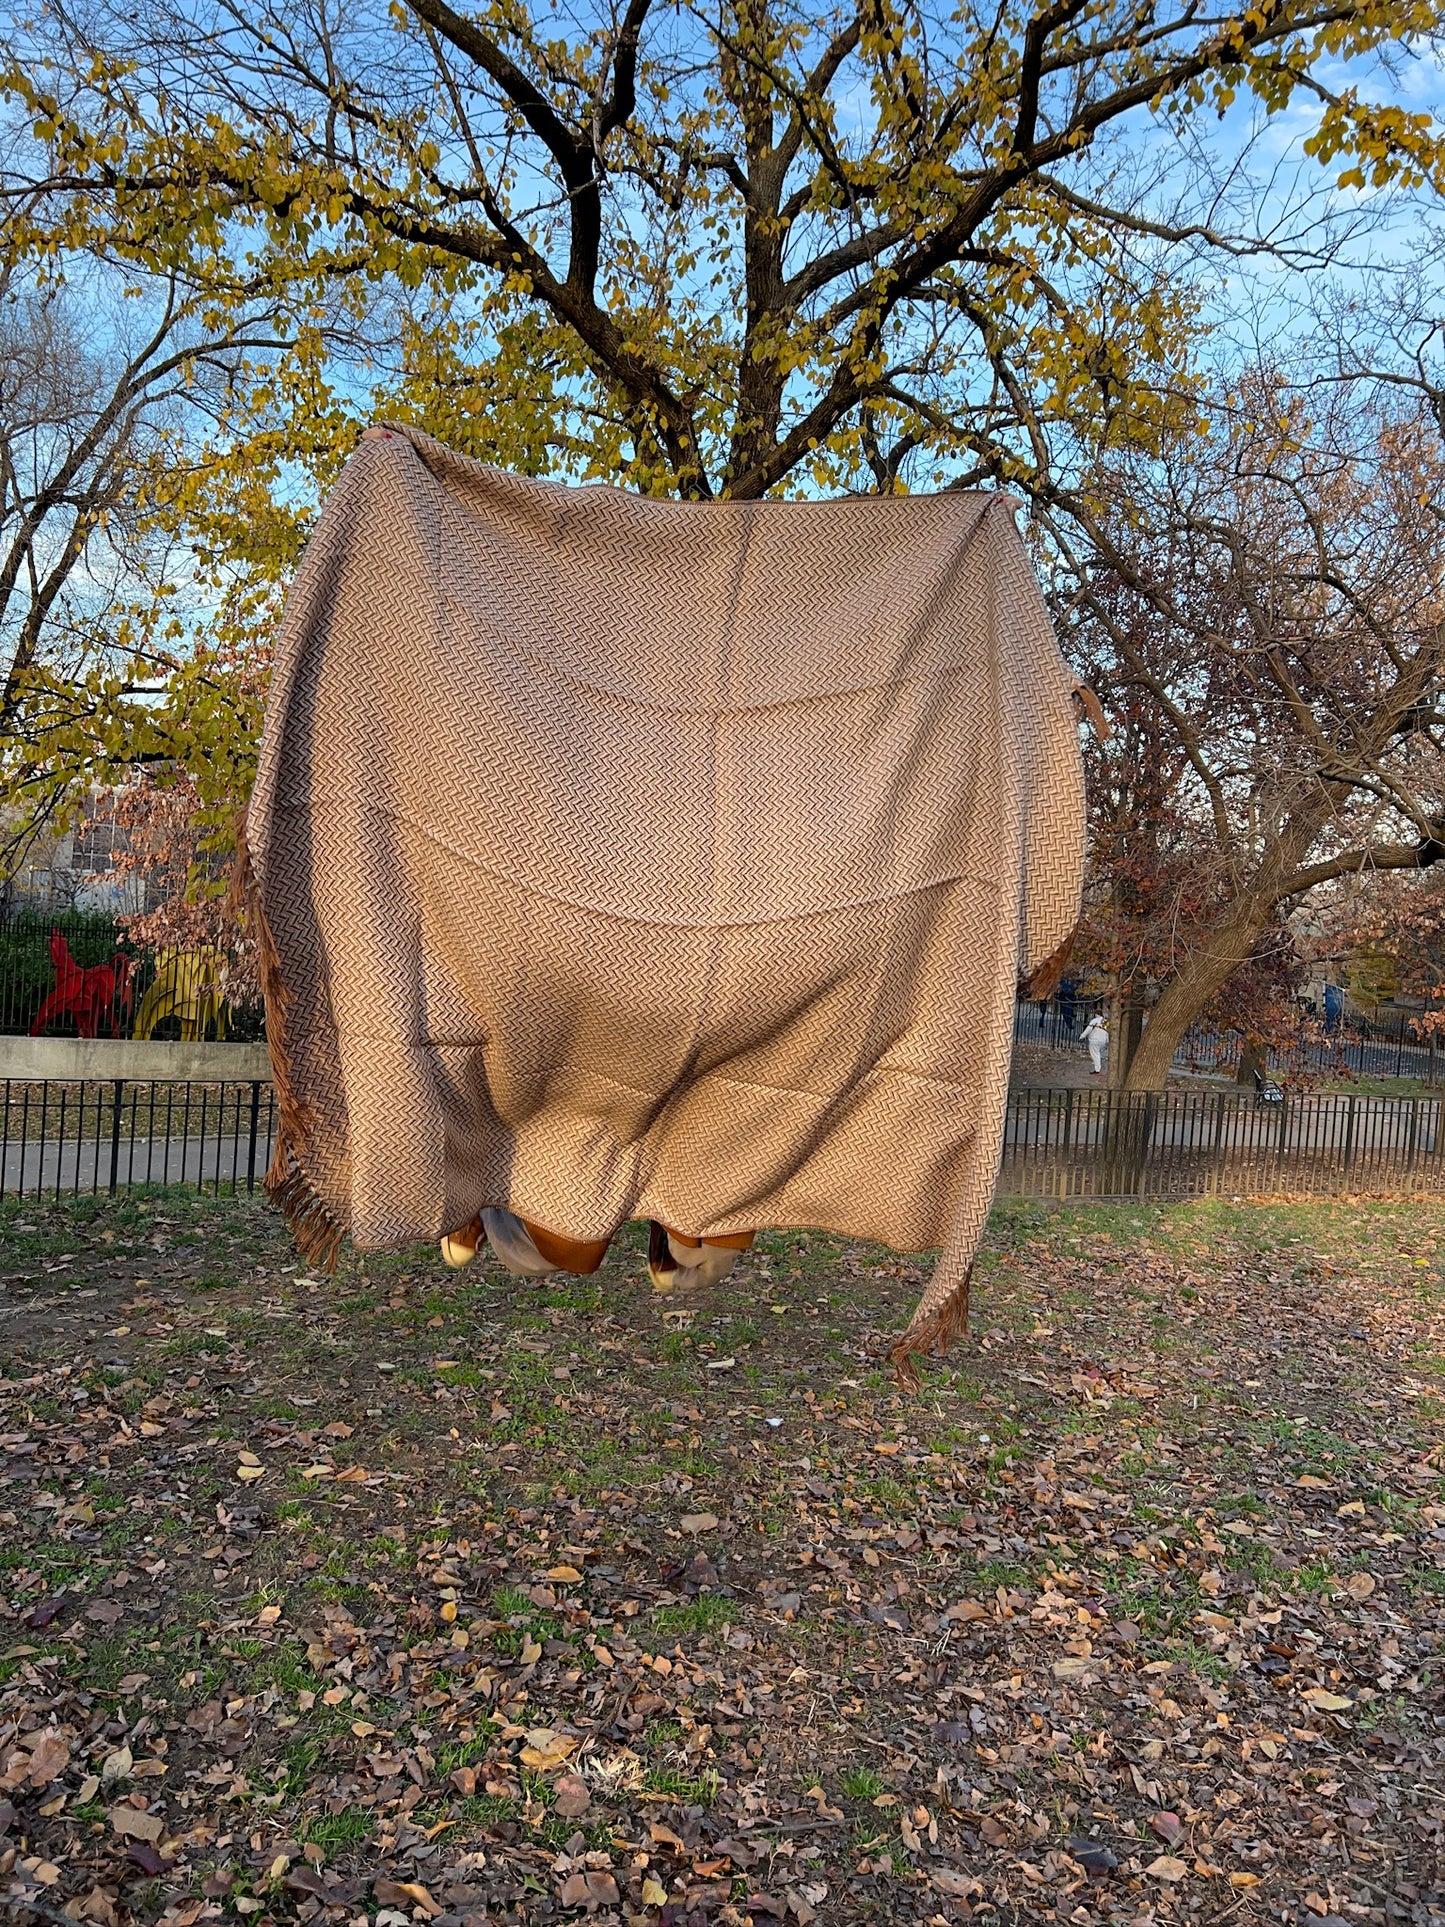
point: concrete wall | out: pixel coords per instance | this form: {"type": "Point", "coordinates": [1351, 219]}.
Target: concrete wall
{"type": "Point", "coordinates": [92, 1059]}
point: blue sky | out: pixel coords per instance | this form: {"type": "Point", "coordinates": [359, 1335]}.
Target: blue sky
{"type": "Point", "coordinates": [1383, 241]}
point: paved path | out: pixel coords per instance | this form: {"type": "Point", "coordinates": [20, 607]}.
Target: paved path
{"type": "Point", "coordinates": [84, 1164]}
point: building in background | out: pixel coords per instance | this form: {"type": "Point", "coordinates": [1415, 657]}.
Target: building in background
{"type": "Point", "coordinates": [74, 869]}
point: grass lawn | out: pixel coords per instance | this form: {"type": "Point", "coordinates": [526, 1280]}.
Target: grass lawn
{"type": "Point", "coordinates": [410, 1597]}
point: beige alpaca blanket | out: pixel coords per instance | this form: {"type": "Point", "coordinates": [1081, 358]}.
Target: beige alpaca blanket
{"type": "Point", "coordinates": [618, 858]}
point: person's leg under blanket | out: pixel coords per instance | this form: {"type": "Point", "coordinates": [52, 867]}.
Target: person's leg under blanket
{"type": "Point", "coordinates": [526, 1250]}
{"type": "Point", "coordinates": [674, 1258]}
{"type": "Point", "coordinates": [530, 1251]}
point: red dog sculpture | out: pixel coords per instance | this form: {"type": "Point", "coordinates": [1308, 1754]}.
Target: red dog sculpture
{"type": "Point", "coordinates": [88, 994]}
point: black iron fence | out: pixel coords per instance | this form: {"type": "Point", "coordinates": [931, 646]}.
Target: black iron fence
{"type": "Point", "coordinates": [1178, 1144]}
{"type": "Point", "coordinates": [76, 973]}
{"type": "Point", "coordinates": [59, 1140]}
{"type": "Point", "coordinates": [1366, 1047]}
{"type": "Point", "coordinates": [1053, 1025]}
{"type": "Point", "coordinates": [66, 1140]}
{"type": "Point", "coordinates": [1386, 1044]}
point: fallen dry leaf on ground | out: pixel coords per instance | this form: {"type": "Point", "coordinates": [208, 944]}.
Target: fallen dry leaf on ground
{"type": "Point", "coordinates": [1154, 1559]}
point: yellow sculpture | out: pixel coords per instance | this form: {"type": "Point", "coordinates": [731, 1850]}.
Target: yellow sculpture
{"type": "Point", "coordinates": [189, 985]}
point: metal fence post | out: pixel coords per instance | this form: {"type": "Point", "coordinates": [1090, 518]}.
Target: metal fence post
{"type": "Point", "coordinates": [117, 1098]}
{"type": "Point", "coordinates": [251, 1137]}
{"type": "Point", "coordinates": [1146, 1141]}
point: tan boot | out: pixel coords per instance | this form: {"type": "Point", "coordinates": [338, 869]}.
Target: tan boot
{"type": "Point", "coordinates": [674, 1258]}
{"type": "Point", "coordinates": [513, 1245]}
{"type": "Point", "coordinates": [460, 1247]}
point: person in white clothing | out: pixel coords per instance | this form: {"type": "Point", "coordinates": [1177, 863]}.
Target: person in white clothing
{"type": "Point", "coordinates": [1096, 1036]}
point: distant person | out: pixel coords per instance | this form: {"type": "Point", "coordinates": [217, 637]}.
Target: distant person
{"type": "Point", "coordinates": [1334, 1008]}
{"type": "Point", "coordinates": [1096, 1035]}
{"type": "Point", "coordinates": [1068, 1001]}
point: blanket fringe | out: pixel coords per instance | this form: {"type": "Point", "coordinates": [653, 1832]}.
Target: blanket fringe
{"type": "Point", "coordinates": [1044, 981]}
{"type": "Point", "coordinates": [1087, 704]}
{"type": "Point", "coordinates": [930, 1335]}
{"type": "Point", "coordinates": [315, 1233]}
{"type": "Point", "coordinates": [310, 1220]}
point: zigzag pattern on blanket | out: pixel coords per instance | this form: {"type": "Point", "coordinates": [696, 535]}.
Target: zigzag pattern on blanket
{"type": "Point", "coordinates": [624, 858]}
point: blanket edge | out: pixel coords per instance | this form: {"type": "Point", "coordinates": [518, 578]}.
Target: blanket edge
{"type": "Point", "coordinates": [930, 1336]}
{"type": "Point", "coordinates": [310, 1220]}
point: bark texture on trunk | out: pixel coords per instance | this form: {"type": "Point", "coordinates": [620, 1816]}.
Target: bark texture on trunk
{"type": "Point", "coordinates": [1204, 971]}
{"type": "Point", "coordinates": [1200, 977]}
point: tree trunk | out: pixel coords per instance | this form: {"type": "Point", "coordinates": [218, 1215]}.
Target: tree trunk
{"type": "Point", "coordinates": [1204, 971]}
{"type": "Point", "coordinates": [1201, 975]}
{"type": "Point", "coordinates": [1125, 1039]}
{"type": "Point", "coordinates": [1113, 1016]}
